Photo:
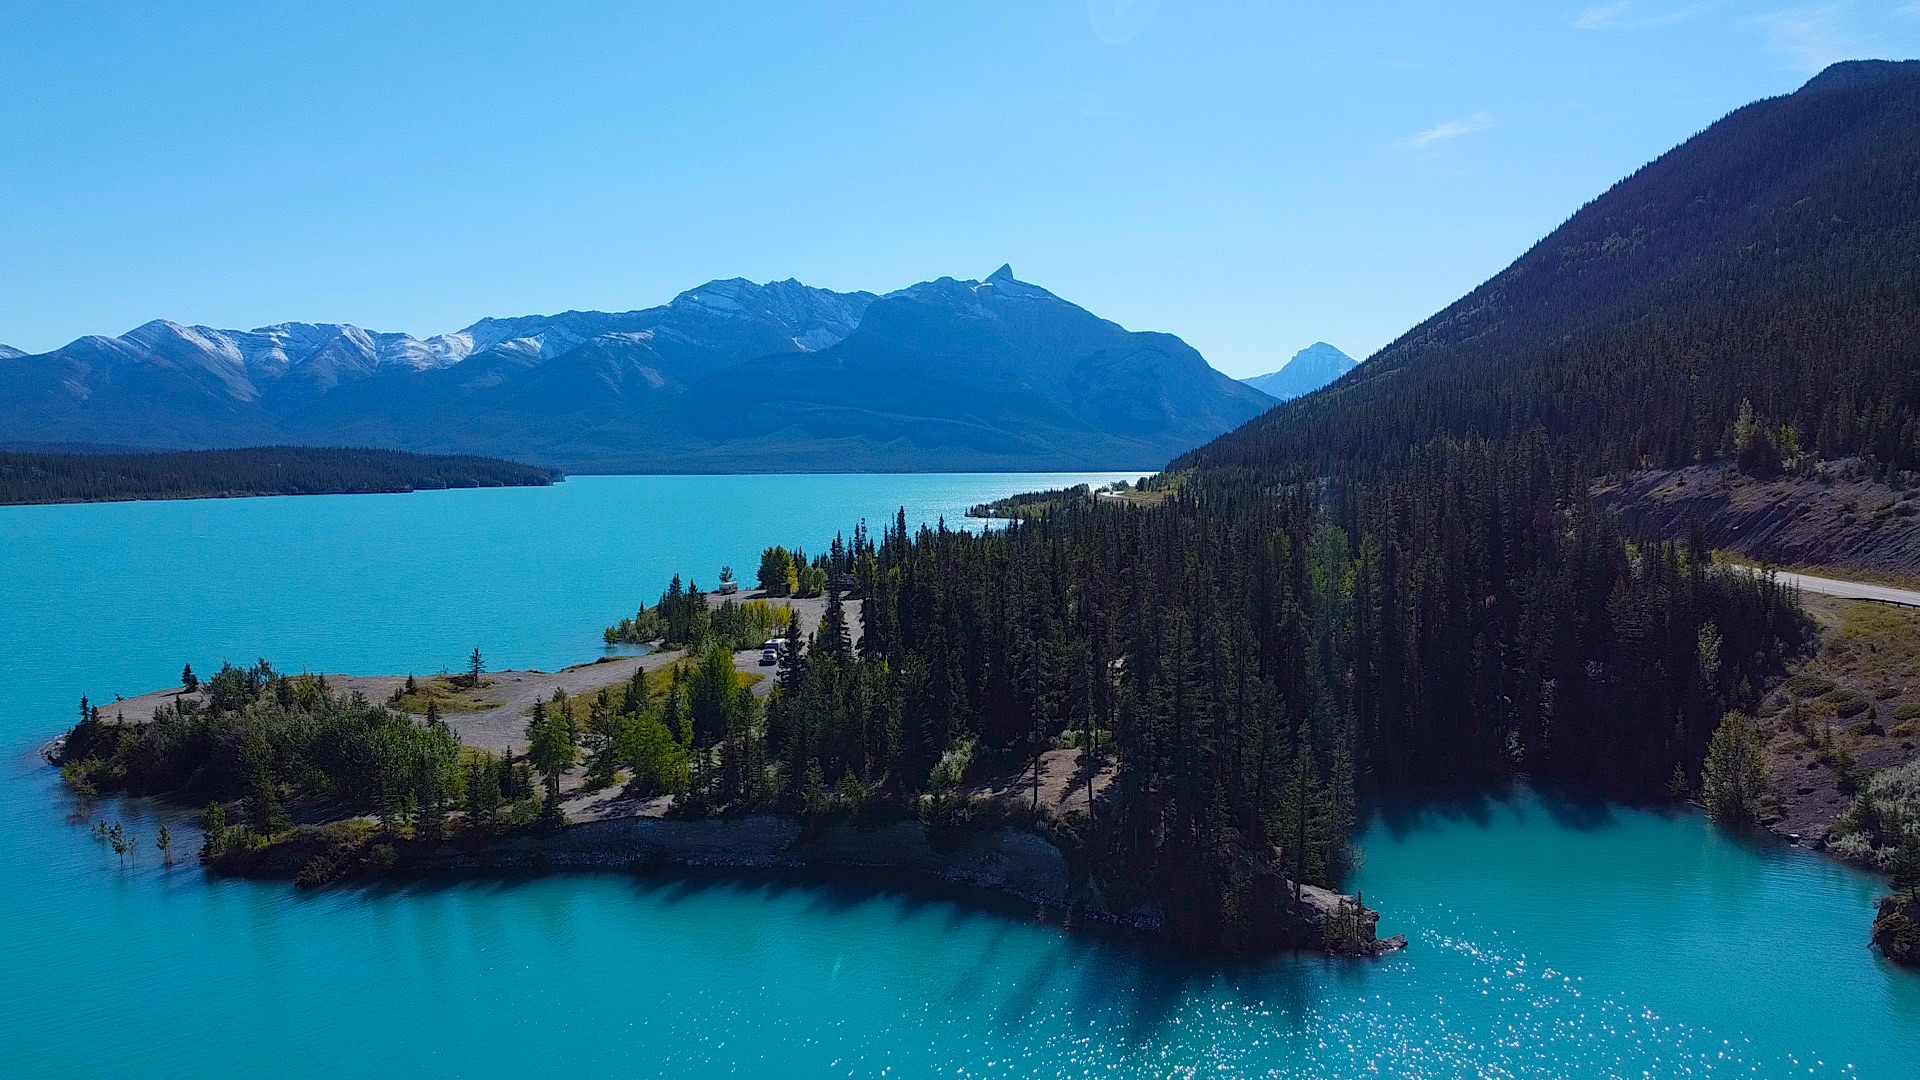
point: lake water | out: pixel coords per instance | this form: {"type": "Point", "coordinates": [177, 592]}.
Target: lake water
{"type": "Point", "coordinates": [1549, 938]}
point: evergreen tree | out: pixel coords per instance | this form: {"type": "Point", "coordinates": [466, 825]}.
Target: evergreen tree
{"type": "Point", "coordinates": [1905, 867]}
{"type": "Point", "coordinates": [213, 828]}
{"type": "Point", "coordinates": [833, 636]}
{"type": "Point", "coordinates": [483, 794]}
{"type": "Point", "coordinates": [551, 752]}
{"type": "Point", "coordinates": [1736, 782]}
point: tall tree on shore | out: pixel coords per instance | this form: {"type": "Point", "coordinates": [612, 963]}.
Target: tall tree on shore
{"type": "Point", "coordinates": [551, 752]}
{"type": "Point", "coordinates": [483, 793]}
{"type": "Point", "coordinates": [1736, 782]}
{"type": "Point", "coordinates": [834, 637]}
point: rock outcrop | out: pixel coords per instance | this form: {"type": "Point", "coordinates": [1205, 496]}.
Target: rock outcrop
{"type": "Point", "coordinates": [1896, 928]}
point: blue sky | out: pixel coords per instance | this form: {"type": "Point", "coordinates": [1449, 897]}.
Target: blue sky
{"type": "Point", "coordinates": [1250, 176]}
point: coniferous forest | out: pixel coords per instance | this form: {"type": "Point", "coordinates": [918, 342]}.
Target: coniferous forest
{"type": "Point", "coordinates": [1254, 659]}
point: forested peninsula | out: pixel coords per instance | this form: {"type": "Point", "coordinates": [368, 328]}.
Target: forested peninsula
{"type": "Point", "coordinates": [29, 478]}
{"type": "Point", "coordinates": [1187, 700]}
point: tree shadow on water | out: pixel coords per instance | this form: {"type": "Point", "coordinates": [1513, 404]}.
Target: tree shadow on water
{"type": "Point", "coordinates": [1130, 987]}
{"type": "Point", "coordinates": [1403, 814]}
{"type": "Point", "coordinates": [1581, 811]}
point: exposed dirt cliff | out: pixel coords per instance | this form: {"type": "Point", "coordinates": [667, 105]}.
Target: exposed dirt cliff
{"type": "Point", "coordinates": [1838, 514]}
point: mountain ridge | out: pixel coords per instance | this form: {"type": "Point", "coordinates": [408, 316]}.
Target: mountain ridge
{"type": "Point", "coordinates": [719, 378]}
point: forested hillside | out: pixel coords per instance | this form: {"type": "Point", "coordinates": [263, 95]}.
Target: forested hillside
{"type": "Point", "coordinates": [269, 470]}
{"type": "Point", "coordinates": [1772, 259]}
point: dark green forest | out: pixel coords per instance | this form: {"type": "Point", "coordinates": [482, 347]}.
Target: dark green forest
{"type": "Point", "coordinates": [268, 470]}
{"type": "Point", "coordinates": [1254, 660]}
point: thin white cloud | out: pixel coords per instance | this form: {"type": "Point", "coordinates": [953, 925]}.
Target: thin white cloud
{"type": "Point", "coordinates": [1117, 22]}
{"type": "Point", "coordinates": [1599, 18]}
{"type": "Point", "coordinates": [1093, 105]}
{"type": "Point", "coordinates": [1448, 131]}
{"type": "Point", "coordinates": [1632, 15]}
{"type": "Point", "coordinates": [1810, 38]}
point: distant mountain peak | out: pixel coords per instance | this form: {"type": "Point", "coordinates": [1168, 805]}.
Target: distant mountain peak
{"type": "Point", "coordinates": [1005, 273]}
{"type": "Point", "coordinates": [1318, 348]}
{"type": "Point", "coordinates": [8, 352]}
{"type": "Point", "coordinates": [1308, 370]}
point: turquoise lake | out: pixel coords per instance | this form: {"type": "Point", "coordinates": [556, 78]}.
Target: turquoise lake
{"type": "Point", "coordinates": [1550, 937]}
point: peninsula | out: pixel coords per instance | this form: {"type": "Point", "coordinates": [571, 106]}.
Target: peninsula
{"type": "Point", "coordinates": [642, 762]}
{"type": "Point", "coordinates": [30, 478]}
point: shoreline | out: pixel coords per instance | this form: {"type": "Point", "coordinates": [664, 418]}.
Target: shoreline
{"type": "Point", "coordinates": [997, 868]}
{"type": "Point", "coordinates": [988, 861]}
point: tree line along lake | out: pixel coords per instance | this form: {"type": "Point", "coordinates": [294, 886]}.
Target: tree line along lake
{"type": "Point", "coordinates": [1549, 936]}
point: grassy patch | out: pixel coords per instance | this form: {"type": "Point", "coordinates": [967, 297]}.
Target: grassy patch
{"type": "Point", "coordinates": [443, 693]}
{"type": "Point", "coordinates": [1847, 703]}
{"type": "Point", "coordinates": [658, 681]}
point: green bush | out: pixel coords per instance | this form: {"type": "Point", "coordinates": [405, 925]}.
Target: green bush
{"type": "Point", "coordinates": [320, 870]}
{"type": "Point", "coordinates": [1909, 711]}
{"type": "Point", "coordinates": [1809, 685]}
{"type": "Point", "coordinates": [1846, 703]}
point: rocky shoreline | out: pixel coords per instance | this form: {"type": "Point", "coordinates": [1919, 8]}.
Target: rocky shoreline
{"type": "Point", "coordinates": [1001, 866]}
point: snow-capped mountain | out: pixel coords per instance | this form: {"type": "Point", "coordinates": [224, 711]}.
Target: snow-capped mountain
{"type": "Point", "coordinates": [730, 375]}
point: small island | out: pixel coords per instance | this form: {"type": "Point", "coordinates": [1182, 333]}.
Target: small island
{"type": "Point", "coordinates": [39, 478]}
{"type": "Point", "coordinates": [759, 733]}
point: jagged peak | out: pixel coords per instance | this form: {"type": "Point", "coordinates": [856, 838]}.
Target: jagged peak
{"type": "Point", "coordinates": [1005, 273]}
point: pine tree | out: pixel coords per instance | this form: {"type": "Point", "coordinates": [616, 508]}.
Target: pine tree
{"type": "Point", "coordinates": [1905, 867]}
{"type": "Point", "coordinates": [213, 827]}
{"type": "Point", "coordinates": [1735, 782]}
{"type": "Point", "coordinates": [833, 637]}
{"type": "Point", "coordinates": [483, 794]}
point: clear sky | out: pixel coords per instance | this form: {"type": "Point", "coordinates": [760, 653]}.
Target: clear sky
{"type": "Point", "coordinates": [1251, 176]}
